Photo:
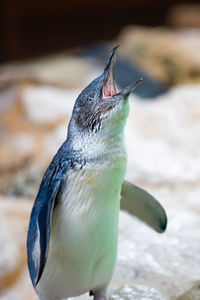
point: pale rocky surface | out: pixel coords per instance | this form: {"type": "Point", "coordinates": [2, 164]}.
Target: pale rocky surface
{"type": "Point", "coordinates": [64, 70]}
{"type": "Point", "coordinates": [14, 280]}
{"type": "Point", "coordinates": [163, 143]}
{"type": "Point", "coordinates": [163, 138]}
{"type": "Point", "coordinates": [172, 56]}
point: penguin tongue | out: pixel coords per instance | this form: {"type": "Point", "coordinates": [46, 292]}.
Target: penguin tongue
{"type": "Point", "coordinates": [109, 88]}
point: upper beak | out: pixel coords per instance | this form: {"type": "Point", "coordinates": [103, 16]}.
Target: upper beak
{"type": "Point", "coordinates": [109, 88]}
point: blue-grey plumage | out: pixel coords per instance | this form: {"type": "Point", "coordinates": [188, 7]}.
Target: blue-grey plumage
{"type": "Point", "coordinates": [73, 230]}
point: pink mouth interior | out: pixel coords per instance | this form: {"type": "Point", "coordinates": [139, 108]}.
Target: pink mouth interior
{"type": "Point", "coordinates": [109, 89]}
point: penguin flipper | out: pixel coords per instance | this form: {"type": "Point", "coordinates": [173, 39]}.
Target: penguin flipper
{"type": "Point", "coordinates": [40, 222]}
{"type": "Point", "coordinates": [140, 203]}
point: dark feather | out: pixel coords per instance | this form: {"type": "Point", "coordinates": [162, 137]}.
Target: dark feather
{"type": "Point", "coordinates": [40, 221]}
{"type": "Point", "coordinates": [48, 197]}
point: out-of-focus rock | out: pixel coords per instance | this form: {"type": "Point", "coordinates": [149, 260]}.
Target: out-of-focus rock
{"type": "Point", "coordinates": [160, 52]}
{"type": "Point", "coordinates": [184, 15]}
{"type": "Point", "coordinates": [14, 280]}
{"type": "Point", "coordinates": [8, 95]}
{"type": "Point", "coordinates": [163, 138]}
{"type": "Point", "coordinates": [168, 262]}
{"type": "Point", "coordinates": [64, 70]}
{"type": "Point", "coordinates": [27, 127]}
{"type": "Point", "coordinates": [37, 99]}
{"type": "Point", "coordinates": [137, 293]}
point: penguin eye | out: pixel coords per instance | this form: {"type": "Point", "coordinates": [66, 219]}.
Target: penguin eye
{"type": "Point", "coordinates": [90, 98]}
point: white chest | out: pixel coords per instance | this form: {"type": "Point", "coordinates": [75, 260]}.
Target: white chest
{"type": "Point", "coordinates": [84, 231]}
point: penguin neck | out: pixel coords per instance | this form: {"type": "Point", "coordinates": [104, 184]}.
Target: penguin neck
{"type": "Point", "coordinates": [95, 145]}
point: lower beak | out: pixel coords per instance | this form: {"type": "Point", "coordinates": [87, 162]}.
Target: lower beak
{"type": "Point", "coordinates": [130, 88]}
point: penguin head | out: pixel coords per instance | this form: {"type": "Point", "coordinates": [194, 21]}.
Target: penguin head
{"type": "Point", "coordinates": [100, 107]}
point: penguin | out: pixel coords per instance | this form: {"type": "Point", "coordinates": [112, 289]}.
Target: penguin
{"type": "Point", "coordinates": [73, 230]}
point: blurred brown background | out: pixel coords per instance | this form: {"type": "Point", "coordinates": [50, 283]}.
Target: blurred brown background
{"type": "Point", "coordinates": [32, 28]}
{"type": "Point", "coordinates": [49, 51]}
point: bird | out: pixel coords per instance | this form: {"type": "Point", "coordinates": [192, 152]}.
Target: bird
{"type": "Point", "coordinates": [73, 230]}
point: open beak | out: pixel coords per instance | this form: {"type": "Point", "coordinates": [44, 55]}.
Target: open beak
{"type": "Point", "coordinates": [109, 86]}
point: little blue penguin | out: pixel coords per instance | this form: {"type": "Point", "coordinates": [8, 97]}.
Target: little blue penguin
{"type": "Point", "coordinates": [73, 229]}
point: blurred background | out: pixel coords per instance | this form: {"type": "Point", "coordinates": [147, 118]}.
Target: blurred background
{"type": "Point", "coordinates": [49, 51]}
